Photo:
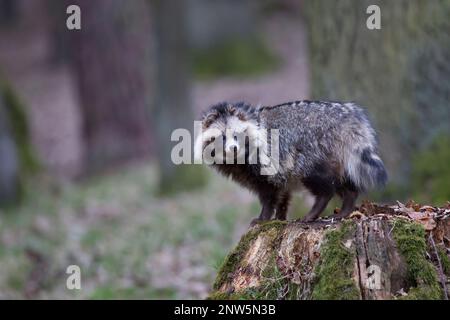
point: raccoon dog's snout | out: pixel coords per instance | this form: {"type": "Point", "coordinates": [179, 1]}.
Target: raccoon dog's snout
{"type": "Point", "coordinates": [232, 147]}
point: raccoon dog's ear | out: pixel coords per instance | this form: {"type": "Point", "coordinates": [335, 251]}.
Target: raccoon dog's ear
{"type": "Point", "coordinates": [209, 119]}
{"type": "Point", "coordinates": [207, 122]}
{"type": "Point", "coordinates": [241, 116]}
{"type": "Point", "coordinates": [231, 109]}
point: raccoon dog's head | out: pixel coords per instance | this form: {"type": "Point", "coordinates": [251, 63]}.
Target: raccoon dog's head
{"type": "Point", "coordinates": [230, 129]}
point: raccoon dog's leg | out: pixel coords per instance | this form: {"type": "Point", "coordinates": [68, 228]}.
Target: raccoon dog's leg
{"type": "Point", "coordinates": [268, 198]}
{"type": "Point", "coordinates": [282, 206]}
{"type": "Point", "coordinates": [348, 203]}
{"type": "Point", "coordinates": [319, 205]}
{"type": "Point", "coordinates": [321, 183]}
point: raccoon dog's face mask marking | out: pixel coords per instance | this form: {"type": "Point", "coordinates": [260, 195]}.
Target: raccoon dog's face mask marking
{"type": "Point", "coordinates": [229, 132]}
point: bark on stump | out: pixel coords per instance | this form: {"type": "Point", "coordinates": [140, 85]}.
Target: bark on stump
{"type": "Point", "coordinates": [380, 252]}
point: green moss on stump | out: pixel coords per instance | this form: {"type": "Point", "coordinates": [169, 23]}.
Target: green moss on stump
{"type": "Point", "coordinates": [445, 261]}
{"type": "Point", "coordinates": [217, 295]}
{"type": "Point", "coordinates": [274, 286]}
{"type": "Point", "coordinates": [334, 273]}
{"type": "Point", "coordinates": [410, 238]}
{"type": "Point", "coordinates": [232, 261]}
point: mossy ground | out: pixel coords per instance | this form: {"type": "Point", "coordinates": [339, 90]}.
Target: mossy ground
{"type": "Point", "coordinates": [410, 238]}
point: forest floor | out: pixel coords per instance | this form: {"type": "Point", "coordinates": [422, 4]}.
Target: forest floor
{"type": "Point", "coordinates": [127, 242]}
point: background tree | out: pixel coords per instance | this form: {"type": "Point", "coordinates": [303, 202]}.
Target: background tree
{"type": "Point", "coordinates": [9, 160]}
{"type": "Point", "coordinates": [112, 66]}
{"type": "Point", "coordinates": [17, 157]}
{"type": "Point", "coordinates": [400, 72]}
{"type": "Point", "coordinates": [172, 108]}
{"type": "Point", "coordinates": [60, 36]}
{"type": "Point", "coordinates": [8, 11]}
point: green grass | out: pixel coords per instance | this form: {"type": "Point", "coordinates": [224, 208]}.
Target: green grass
{"type": "Point", "coordinates": [128, 242]}
{"type": "Point", "coordinates": [238, 58]}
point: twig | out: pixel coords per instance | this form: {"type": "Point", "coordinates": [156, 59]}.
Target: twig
{"type": "Point", "coordinates": [441, 270]}
{"type": "Point", "coordinates": [393, 226]}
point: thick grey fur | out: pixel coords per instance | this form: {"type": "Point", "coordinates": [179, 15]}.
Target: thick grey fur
{"type": "Point", "coordinates": [328, 147]}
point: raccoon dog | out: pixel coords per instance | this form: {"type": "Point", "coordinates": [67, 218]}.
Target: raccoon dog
{"type": "Point", "coordinates": [326, 147]}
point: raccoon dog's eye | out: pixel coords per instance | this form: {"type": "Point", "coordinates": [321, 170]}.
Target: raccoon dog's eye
{"type": "Point", "coordinates": [211, 140]}
{"type": "Point", "coordinates": [207, 123]}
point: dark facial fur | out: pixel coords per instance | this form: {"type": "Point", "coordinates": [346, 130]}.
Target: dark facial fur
{"type": "Point", "coordinates": [328, 147]}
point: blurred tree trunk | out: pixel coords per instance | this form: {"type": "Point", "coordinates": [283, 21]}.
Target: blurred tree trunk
{"type": "Point", "coordinates": [8, 11]}
{"type": "Point", "coordinates": [9, 160]}
{"type": "Point", "coordinates": [111, 60]}
{"type": "Point", "coordinates": [211, 23]}
{"type": "Point", "coordinates": [403, 73]}
{"type": "Point", "coordinates": [18, 160]}
{"type": "Point", "coordinates": [173, 101]}
{"type": "Point", "coordinates": [58, 31]}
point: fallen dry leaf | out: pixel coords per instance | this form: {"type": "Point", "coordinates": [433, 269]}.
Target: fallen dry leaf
{"type": "Point", "coordinates": [413, 205]}
{"type": "Point", "coordinates": [427, 208]}
{"type": "Point", "coordinates": [424, 218]}
{"type": "Point", "coordinates": [357, 214]}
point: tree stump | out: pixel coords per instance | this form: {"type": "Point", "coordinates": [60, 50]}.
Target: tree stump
{"type": "Point", "coordinates": [380, 252]}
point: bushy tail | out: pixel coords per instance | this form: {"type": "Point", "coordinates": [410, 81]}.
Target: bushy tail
{"type": "Point", "coordinates": [366, 169]}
